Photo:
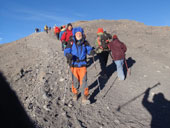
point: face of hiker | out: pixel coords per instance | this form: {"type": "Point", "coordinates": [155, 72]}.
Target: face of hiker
{"type": "Point", "coordinates": [78, 35]}
{"type": "Point", "coordinates": [69, 27]}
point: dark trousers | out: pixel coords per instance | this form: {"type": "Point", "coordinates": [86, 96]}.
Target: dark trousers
{"type": "Point", "coordinates": [57, 34]}
{"type": "Point", "coordinates": [62, 46]}
{"type": "Point", "coordinates": [103, 57]}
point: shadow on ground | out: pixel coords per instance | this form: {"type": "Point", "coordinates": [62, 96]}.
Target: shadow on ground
{"type": "Point", "coordinates": [159, 109]}
{"type": "Point", "coordinates": [102, 82]}
{"type": "Point", "coordinates": [12, 113]}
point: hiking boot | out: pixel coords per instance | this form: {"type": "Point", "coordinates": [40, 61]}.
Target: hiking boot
{"type": "Point", "coordinates": [75, 97]}
{"type": "Point", "coordinates": [85, 101]}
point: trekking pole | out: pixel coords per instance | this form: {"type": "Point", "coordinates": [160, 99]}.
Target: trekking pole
{"type": "Point", "coordinates": [97, 73]}
{"type": "Point", "coordinates": [128, 71]}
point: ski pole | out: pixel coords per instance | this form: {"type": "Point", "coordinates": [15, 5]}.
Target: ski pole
{"type": "Point", "coordinates": [127, 67]}
{"type": "Point", "coordinates": [97, 73]}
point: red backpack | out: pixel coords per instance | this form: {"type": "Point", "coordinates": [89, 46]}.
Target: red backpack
{"type": "Point", "coordinates": [56, 30]}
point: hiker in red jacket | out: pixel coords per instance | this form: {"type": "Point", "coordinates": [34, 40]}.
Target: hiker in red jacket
{"type": "Point", "coordinates": [67, 34]}
{"type": "Point", "coordinates": [57, 31]}
{"type": "Point", "coordinates": [118, 50]}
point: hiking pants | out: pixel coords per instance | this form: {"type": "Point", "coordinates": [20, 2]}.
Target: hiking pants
{"type": "Point", "coordinates": [79, 80]}
{"type": "Point", "coordinates": [103, 57]}
{"type": "Point", "coordinates": [119, 65]}
{"type": "Point", "coordinates": [57, 34]}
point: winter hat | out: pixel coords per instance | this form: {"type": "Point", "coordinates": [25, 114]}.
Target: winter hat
{"type": "Point", "coordinates": [64, 26]}
{"type": "Point", "coordinates": [114, 36]}
{"type": "Point", "coordinates": [78, 29]}
{"type": "Point", "coordinates": [100, 30]}
{"type": "Point", "coordinates": [69, 24]}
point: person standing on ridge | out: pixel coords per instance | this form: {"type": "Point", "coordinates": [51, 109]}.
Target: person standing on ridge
{"type": "Point", "coordinates": [63, 29]}
{"type": "Point", "coordinates": [67, 34]}
{"type": "Point", "coordinates": [46, 28]}
{"type": "Point", "coordinates": [118, 50]}
{"type": "Point", "coordinates": [57, 31]}
{"type": "Point", "coordinates": [76, 52]}
{"type": "Point", "coordinates": [102, 50]}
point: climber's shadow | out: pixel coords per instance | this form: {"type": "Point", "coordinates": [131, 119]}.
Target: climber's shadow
{"type": "Point", "coordinates": [102, 82]}
{"type": "Point", "coordinates": [90, 61]}
{"type": "Point", "coordinates": [12, 113]}
{"type": "Point", "coordinates": [159, 110]}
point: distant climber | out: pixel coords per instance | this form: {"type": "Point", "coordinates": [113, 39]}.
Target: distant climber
{"type": "Point", "coordinates": [63, 29]}
{"type": "Point", "coordinates": [76, 52]}
{"type": "Point", "coordinates": [57, 31]}
{"type": "Point", "coordinates": [37, 30]}
{"type": "Point", "coordinates": [102, 50]}
{"type": "Point", "coordinates": [46, 28]}
{"type": "Point", "coordinates": [118, 50]}
{"type": "Point", "coordinates": [67, 34]}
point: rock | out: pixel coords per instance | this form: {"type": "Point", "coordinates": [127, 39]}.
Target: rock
{"type": "Point", "coordinates": [30, 106]}
{"type": "Point", "coordinates": [117, 121]}
{"type": "Point", "coordinates": [61, 79]}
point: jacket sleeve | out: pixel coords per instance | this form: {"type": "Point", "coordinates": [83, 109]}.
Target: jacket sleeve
{"type": "Point", "coordinates": [63, 37]}
{"type": "Point", "coordinates": [124, 47]}
{"type": "Point", "coordinates": [67, 49]}
{"type": "Point", "coordinates": [109, 46]}
{"type": "Point", "coordinates": [96, 43]}
{"type": "Point", "coordinates": [88, 48]}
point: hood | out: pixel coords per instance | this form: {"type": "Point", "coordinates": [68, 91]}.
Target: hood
{"type": "Point", "coordinates": [78, 29]}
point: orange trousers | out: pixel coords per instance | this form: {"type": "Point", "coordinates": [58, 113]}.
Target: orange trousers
{"type": "Point", "coordinates": [79, 79]}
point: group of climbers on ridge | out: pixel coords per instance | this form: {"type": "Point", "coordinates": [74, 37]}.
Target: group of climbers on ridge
{"type": "Point", "coordinates": [76, 48]}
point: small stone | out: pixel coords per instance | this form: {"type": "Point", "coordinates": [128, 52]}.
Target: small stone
{"type": "Point", "coordinates": [45, 107]}
{"type": "Point", "coordinates": [70, 104]}
{"type": "Point", "coordinates": [61, 79]}
{"type": "Point", "coordinates": [117, 121]}
{"type": "Point", "coordinates": [145, 76]}
{"type": "Point", "coordinates": [63, 113]}
{"type": "Point", "coordinates": [44, 96]}
{"type": "Point", "coordinates": [30, 106]}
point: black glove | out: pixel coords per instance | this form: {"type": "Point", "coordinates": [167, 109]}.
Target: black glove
{"type": "Point", "coordinates": [71, 39]}
{"type": "Point", "coordinates": [64, 42]}
{"type": "Point", "coordinates": [93, 52]}
{"type": "Point", "coordinates": [69, 58]}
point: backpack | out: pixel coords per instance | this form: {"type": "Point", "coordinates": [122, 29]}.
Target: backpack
{"type": "Point", "coordinates": [61, 33]}
{"type": "Point", "coordinates": [102, 42]}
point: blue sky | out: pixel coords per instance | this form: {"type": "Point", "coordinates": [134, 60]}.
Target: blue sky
{"type": "Point", "coordinates": [18, 18]}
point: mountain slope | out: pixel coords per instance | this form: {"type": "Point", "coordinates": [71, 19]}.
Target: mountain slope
{"type": "Point", "coordinates": [36, 69]}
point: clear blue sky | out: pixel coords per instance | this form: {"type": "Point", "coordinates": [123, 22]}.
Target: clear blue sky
{"type": "Point", "coordinates": [18, 18]}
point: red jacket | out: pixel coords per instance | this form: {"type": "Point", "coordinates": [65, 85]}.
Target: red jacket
{"type": "Point", "coordinates": [66, 35]}
{"type": "Point", "coordinates": [118, 49]}
{"type": "Point", "coordinates": [56, 30]}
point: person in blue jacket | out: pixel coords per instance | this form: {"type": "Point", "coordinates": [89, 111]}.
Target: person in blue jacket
{"type": "Point", "coordinates": [75, 52]}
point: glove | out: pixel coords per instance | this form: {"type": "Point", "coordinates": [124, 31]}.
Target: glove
{"type": "Point", "coordinates": [71, 39]}
{"type": "Point", "coordinates": [93, 52]}
{"type": "Point", "coordinates": [69, 58]}
{"type": "Point", "coordinates": [64, 42]}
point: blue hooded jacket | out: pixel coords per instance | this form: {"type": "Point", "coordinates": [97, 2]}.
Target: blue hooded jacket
{"type": "Point", "coordinates": [78, 49]}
